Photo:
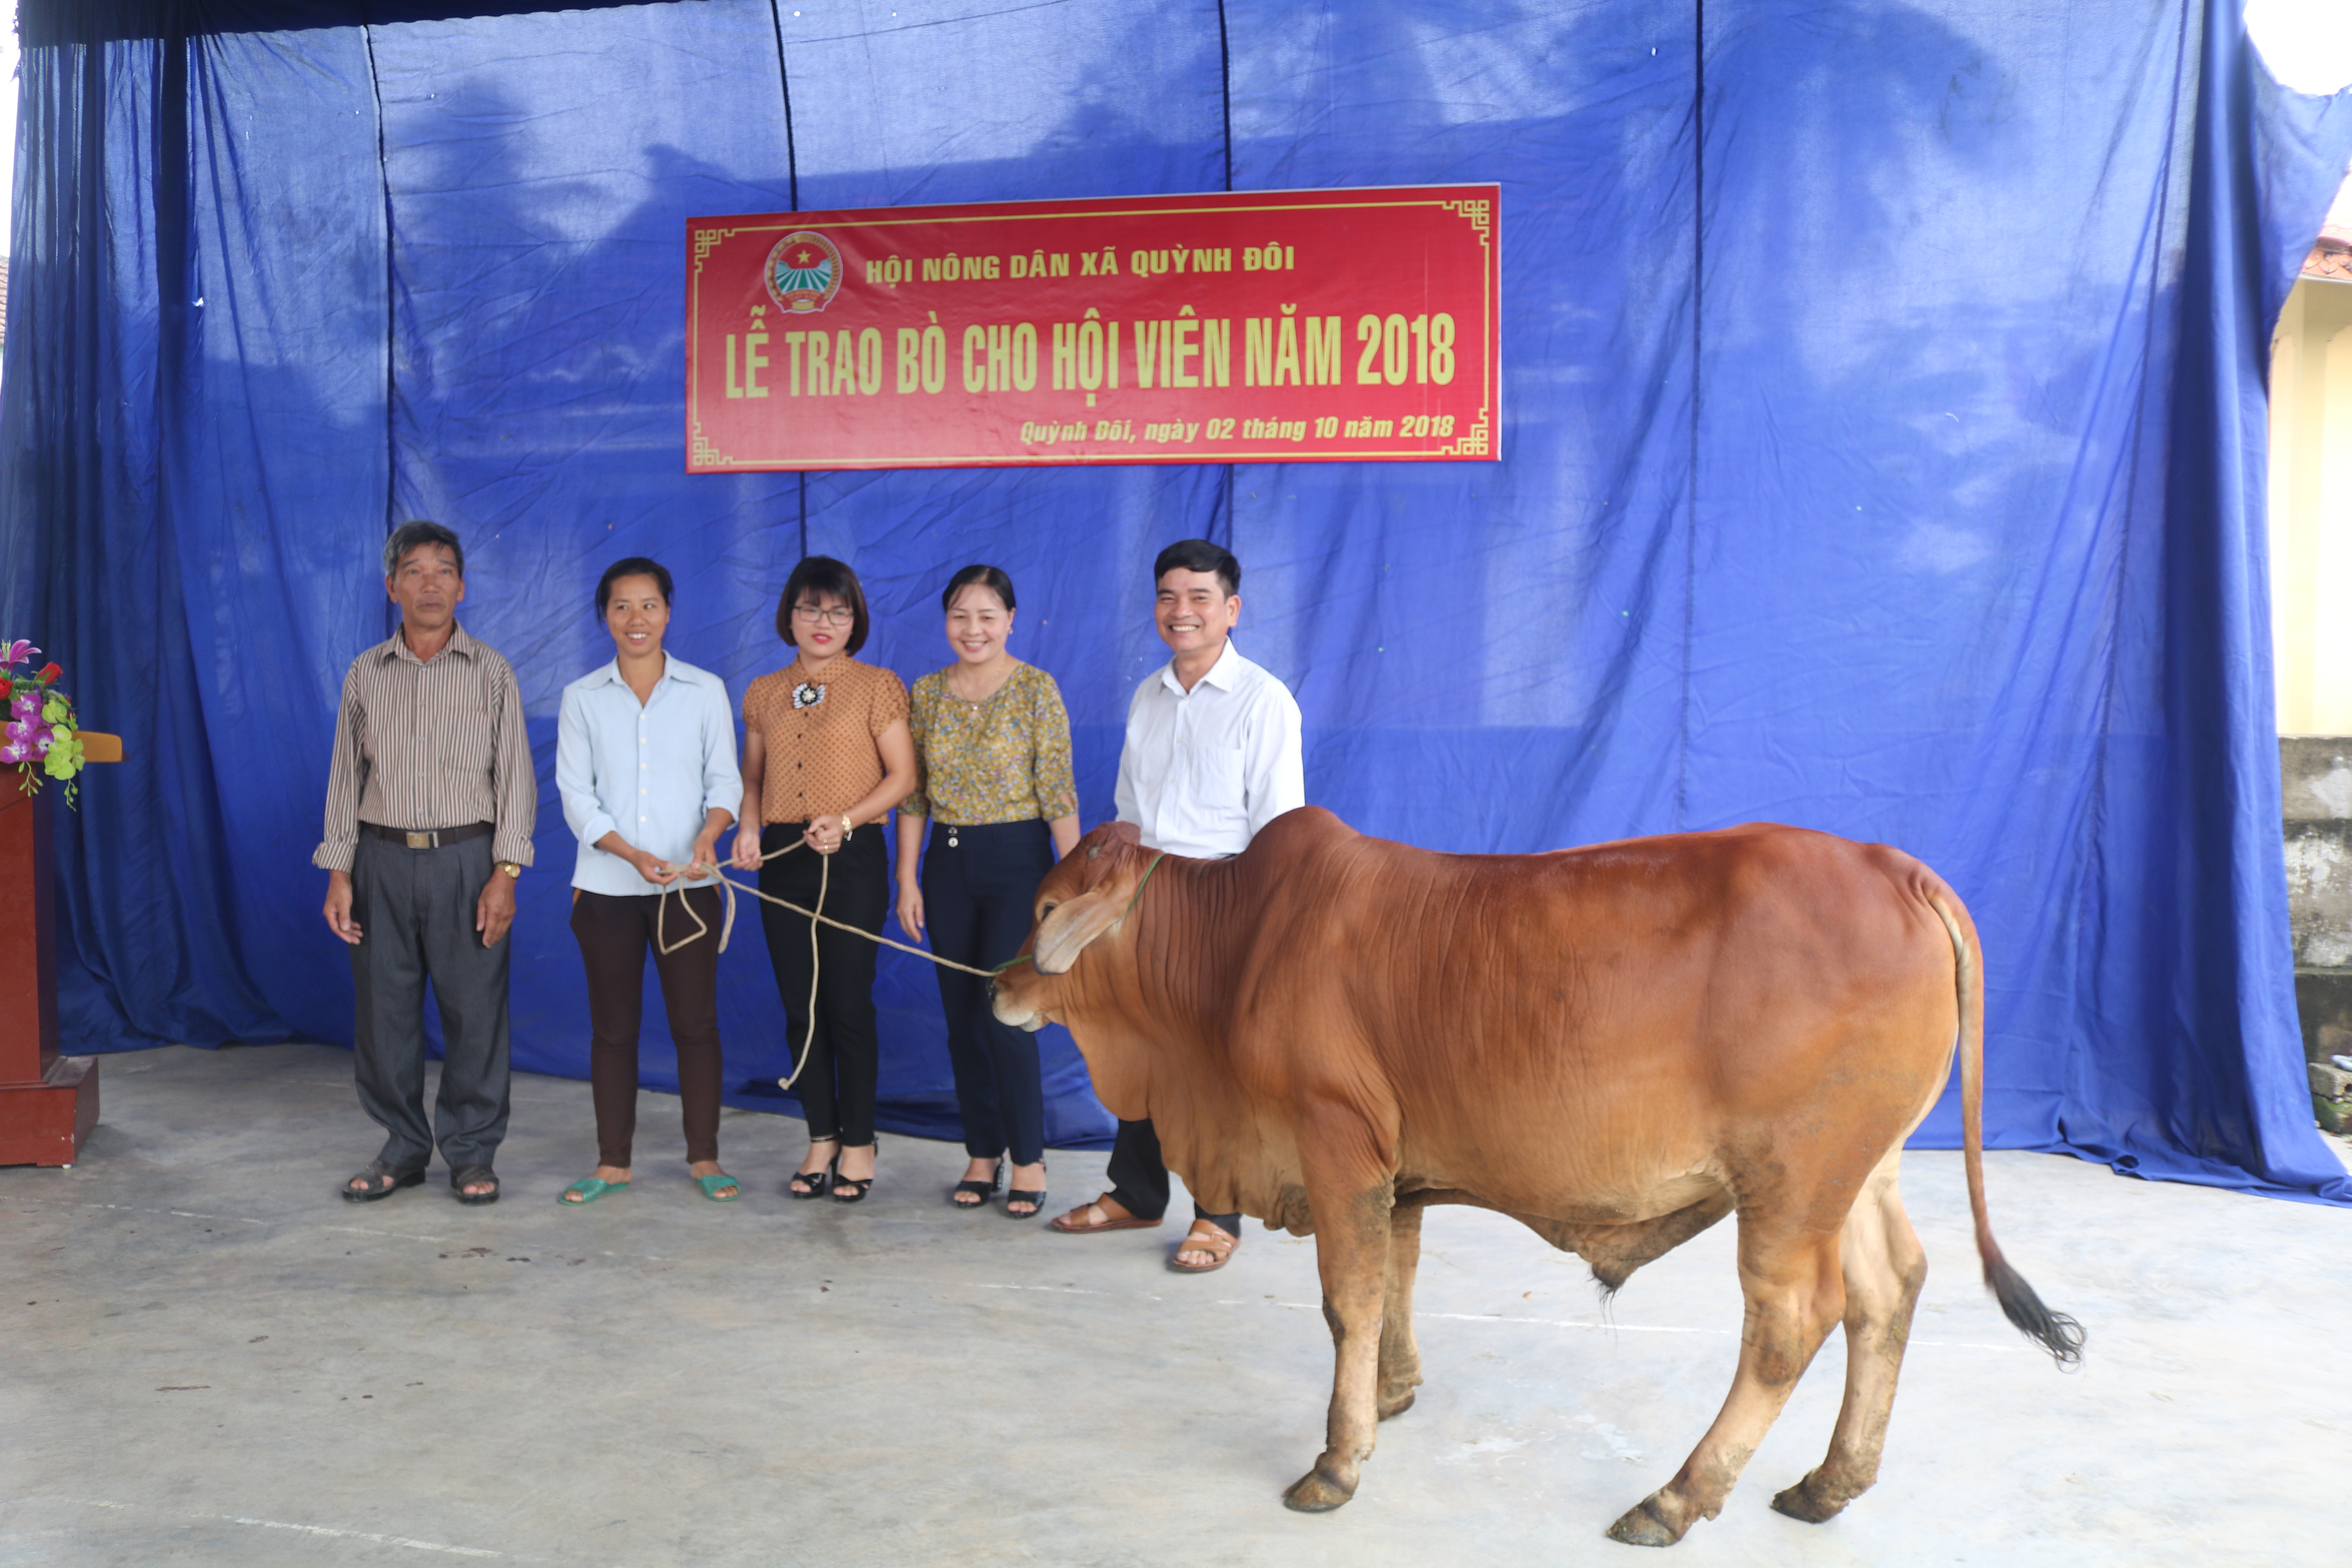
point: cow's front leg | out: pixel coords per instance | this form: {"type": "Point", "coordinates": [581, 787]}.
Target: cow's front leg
{"type": "Point", "coordinates": [1351, 1245]}
{"type": "Point", "coordinates": [1399, 1355]}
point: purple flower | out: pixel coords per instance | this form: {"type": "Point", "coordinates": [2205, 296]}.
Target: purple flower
{"type": "Point", "coordinates": [29, 741]}
{"type": "Point", "coordinates": [27, 705]}
{"type": "Point", "coordinates": [17, 653]}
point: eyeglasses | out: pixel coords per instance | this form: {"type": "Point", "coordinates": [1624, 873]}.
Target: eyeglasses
{"type": "Point", "coordinates": [835, 616]}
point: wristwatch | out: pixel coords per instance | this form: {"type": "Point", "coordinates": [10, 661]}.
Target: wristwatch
{"type": "Point", "coordinates": [511, 867]}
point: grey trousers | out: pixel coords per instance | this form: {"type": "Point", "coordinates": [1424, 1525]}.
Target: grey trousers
{"type": "Point", "coordinates": [415, 913]}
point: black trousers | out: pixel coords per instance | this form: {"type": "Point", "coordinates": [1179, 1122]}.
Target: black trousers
{"type": "Point", "coordinates": [836, 1084]}
{"type": "Point", "coordinates": [1138, 1177]}
{"type": "Point", "coordinates": [614, 933]}
{"type": "Point", "coordinates": [978, 886]}
{"type": "Point", "coordinates": [415, 913]}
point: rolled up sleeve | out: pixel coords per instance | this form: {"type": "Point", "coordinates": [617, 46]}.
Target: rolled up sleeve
{"type": "Point", "coordinates": [723, 778]}
{"type": "Point", "coordinates": [575, 771]}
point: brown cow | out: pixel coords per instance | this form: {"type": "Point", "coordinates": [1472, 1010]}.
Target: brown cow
{"type": "Point", "coordinates": [1616, 1045]}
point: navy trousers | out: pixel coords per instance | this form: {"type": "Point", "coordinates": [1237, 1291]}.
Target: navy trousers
{"type": "Point", "coordinates": [978, 886]}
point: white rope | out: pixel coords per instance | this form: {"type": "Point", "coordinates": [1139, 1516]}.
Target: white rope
{"type": "Point", "coordinates": [815, 917]}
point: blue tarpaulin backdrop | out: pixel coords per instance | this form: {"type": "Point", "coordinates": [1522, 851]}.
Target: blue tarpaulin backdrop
{"type": "Point", "coordinates": [1882, 452]}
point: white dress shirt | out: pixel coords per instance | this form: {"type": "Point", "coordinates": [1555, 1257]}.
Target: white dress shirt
{"type": "Point", "coordinates": [649, 771]}
{"type": "Point", "coordinates": [1203, 770]}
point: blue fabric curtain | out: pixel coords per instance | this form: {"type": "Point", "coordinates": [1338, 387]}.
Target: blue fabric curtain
{"type": "Point", "coordinates": [1883, 452]}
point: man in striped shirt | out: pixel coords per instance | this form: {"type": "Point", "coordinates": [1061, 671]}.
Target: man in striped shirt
{"type": "Point", "coordinates": [430, 802]}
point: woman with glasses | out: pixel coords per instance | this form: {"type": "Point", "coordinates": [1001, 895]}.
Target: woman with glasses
{"type": "Point", "coordinates": [826, 755]}
{"type": "Point", "coordinates": [992, 742]}
{"type": "Point", "coordinates": [645, 760]}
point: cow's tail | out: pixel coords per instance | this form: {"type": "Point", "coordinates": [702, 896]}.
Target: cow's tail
{"type": "Point", "coordinates": [2056, 1333]}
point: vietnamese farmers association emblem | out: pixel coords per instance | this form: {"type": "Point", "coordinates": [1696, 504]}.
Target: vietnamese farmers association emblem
{"type": "Point", "coordinates": [804, 271]}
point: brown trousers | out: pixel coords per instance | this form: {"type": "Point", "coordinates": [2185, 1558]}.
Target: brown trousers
{"type": "Point", "coordinates": [613, 934]}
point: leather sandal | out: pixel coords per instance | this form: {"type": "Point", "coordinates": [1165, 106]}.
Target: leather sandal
{"type": "Point", "coordinates": [1213, 1239]}
{"type": "Point", "coordinates": [465, 1175]}
{"type": "Point", "coordinates": [1111, 1213]}
{"type": "Point", "coordinates": [381, 1180]}
{"type": "Point", "coordinates": [806, 1185]}
{"type": "Point", "coordinates": [852, 1189]}
{"type": "Point", "coordinates": [1035, 1200]}
{"type": "Point", "coordinates": [981, 1190]}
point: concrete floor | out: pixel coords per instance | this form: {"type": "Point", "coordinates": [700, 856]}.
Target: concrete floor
{"type": "Point", "coordinates": [210, 1360]}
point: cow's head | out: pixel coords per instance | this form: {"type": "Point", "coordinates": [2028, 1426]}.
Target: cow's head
{"type": "Point", "coordinates": [1080, 900]}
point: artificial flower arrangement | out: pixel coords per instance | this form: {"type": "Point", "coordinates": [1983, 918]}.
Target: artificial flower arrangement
{"type": "Point", "coordinates": [40, 723]}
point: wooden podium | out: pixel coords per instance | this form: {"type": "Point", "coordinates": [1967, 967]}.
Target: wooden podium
{"type": "Point", "coordinates": [49, 1103]}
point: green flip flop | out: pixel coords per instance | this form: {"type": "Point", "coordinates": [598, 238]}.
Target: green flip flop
{"type": "Point", "coordinates": [715, 1180]}
{"type": "Point", "coordinates": [590, 1189]}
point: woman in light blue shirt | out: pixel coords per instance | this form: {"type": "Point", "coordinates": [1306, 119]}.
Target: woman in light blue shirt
{"type": "Point", "coordinates": [645, 759]}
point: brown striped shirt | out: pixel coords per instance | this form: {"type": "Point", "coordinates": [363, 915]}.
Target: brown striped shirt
{"type": "Point", "coordinates": [422, 745]}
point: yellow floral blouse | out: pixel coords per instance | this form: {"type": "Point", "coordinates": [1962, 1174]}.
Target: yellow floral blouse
{"type": "Point", "coordinates": [1004, 760]}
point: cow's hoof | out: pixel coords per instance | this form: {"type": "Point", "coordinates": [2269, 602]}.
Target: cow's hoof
{"type": "Point", "coordinates": [1644, 1525]}
{"type": "Point", "coordinates": [1316, 1492]}
{"type": "Point", "coordinates": [1397, 1404]}
{"type": "Point", "coordinates": [1802, 1501]}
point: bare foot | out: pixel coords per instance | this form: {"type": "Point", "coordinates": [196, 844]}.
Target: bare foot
{"type": "Point", "coordinates": [710, 1168]}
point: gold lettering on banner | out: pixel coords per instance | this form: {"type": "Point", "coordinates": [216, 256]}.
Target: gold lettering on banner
{"type": "Point", "coordinates": [793, 341]}
{"type": "Point", "coordinates": [820, 364]}
{"type": "Point", "coordinates": [752, 361]}
{"type": "Point", "coordinates": [1217, 353]}
{"type": "Point", "coordinates": [1323, 350]}
{"type": "Point", "coordinates": [1181, 348]}
{"type": "Point", "coordinates": [732, 389]}
{"type": "Point", "coordinates": [869, 361]}
{"type": "Point", "coordinates": [975, 375]}
{"type": "Point", "coordinates": [935, 359]}
{"type": "Point", "coordinates": [844, 363]}
{"type": "Point", "coordinates": [911, 359]}
{"type": "Point", "coordinates": [1147, 354]}
{"type": "Point", "coordinates": [1286, 350]}
{"type": "Point", "coordinates": [1025, 356]}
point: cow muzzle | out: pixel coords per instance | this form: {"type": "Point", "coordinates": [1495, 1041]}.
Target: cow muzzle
{"type": "Point", "coordinates": [1011, 1009]}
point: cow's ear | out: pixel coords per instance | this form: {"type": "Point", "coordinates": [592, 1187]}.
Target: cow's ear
{"type": "Point", "coordinates": [1069, 926]}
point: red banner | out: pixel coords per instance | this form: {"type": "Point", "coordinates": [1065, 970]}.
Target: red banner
{"type": "Point", "coordinates": [1266, 326]}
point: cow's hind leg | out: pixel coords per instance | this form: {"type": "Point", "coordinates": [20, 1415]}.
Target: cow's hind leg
{"type": "Point", "coordinates": [1399, 1355]}
{"type": "Point", "coordinates": [1795, 1295]}
{"type": "Point", "coordinates": [1884, 1271]}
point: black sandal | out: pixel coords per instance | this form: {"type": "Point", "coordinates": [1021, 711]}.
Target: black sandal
{"type": "Point", "coordinates": [377, 1171]}
{"type": "Point", "coordinates": [466, 1175]}
{"type": "Point", "coordinates": [819, 1181]}
{"type": "Point", "coordinates": [982, 1191]}
{"type": "Point", "coordinates": [1036, 1202]}
{"type": "Point", "coordinates": [855, 1189]}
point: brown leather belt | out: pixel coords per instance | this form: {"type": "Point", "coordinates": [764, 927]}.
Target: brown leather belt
{"type": "Point", "coordinates": [432, 837]}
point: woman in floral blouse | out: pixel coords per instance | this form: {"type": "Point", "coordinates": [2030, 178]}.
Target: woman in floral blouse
{"type": "Point", "coordinates": [992, 761]}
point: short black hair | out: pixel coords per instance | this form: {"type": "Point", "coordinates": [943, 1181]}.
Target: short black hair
{"type": "Point", "coordinates": [822, 574]}
{"type": "Point", "coordinates": [1200, 555]}
{"type": "Point", "coordinates": [631, 566]}
{"type": "Point", "coordinates": [416, 533]}
{"type": "Point", "coordinates": [991, 578]}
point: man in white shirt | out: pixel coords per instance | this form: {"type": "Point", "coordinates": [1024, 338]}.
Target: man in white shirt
{"type": "Point", "coordinates": [1213, 754]}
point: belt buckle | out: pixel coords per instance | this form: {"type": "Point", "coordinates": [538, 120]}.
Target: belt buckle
{"type": "Point", "coordinates": [425, 841]}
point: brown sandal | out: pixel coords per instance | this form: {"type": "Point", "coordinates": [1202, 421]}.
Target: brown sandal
{"type": "Point", "coordinates": [1213, 1239]}
{"type": "Point", "coordinates": [1114, 1218]}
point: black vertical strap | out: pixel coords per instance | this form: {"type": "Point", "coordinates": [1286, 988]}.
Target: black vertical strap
{"type": "Point", "coordinates": [1698, 322]}
{"type": "Point", "coordinates": [792, 173]}
{"type": "Point", "coordinates": [391, 296]}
